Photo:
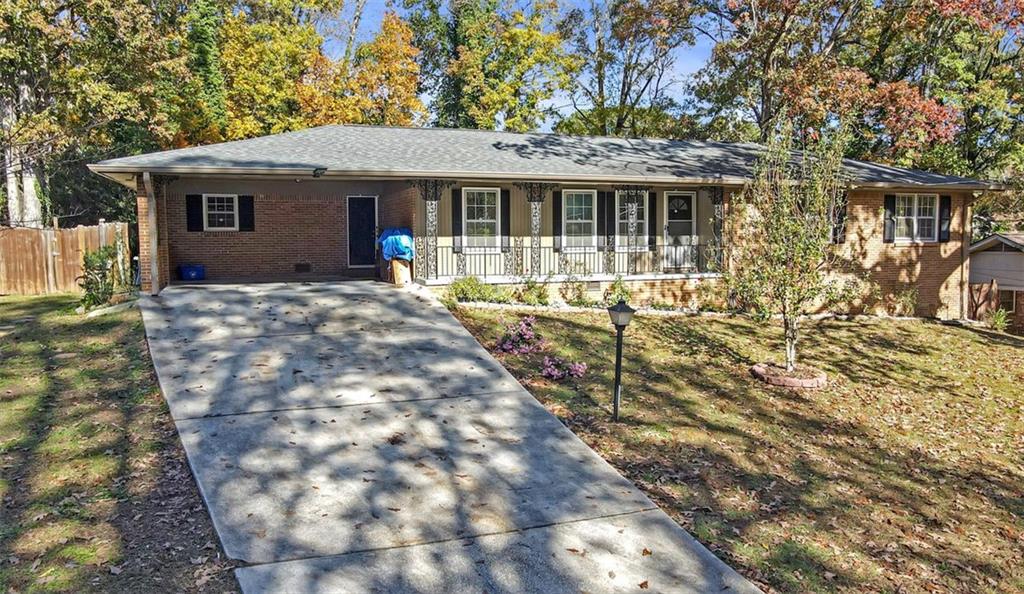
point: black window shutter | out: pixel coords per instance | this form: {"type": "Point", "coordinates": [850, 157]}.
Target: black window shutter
{"type": "Point", "coordinates": [945, 214]}
{"type": "Point", "coordinates": [506, 214]}
{"type": "Point", "coordinates": [611, 220]}
{"type": "Point", "coordinates": [246, 214]}
{"type": "Point", "coordinates": [602, 221]}
{"type": "Point", "coordinates": [194, 212]}
{"type": "Point", "coordinates": [889, 230]}
{"type": "Point", "coordinates": [556, 219]}
{"type": "Point", "coordinates": [839, 225]}
{"type": "Point", "coordinates": [652, 214]}
{"type": "Point", "coordinates": [457, 220]}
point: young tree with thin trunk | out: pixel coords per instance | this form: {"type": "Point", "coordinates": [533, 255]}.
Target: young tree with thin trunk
{"type": "Point", "coordinates": [781, 263]}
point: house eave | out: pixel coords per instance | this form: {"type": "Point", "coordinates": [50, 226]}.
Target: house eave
{"type": "Point", "coordinates": [991, 240]}
{"type": "Point", "coordinates": [118, 173]}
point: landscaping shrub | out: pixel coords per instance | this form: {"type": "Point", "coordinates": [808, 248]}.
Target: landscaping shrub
{"type": "Point", "coordinates": [905, 302]}
{"type": "Point", "coordinates": [574, 289]}
{"type": "Point", "coordinates": [97, 280]}
{"type": "Point", "coordinates": [556, 368]}
{"type": "Point", "coordinates": [520, 338]}
{"type": "Point", "coordinates": [471, 288]}
{"type": "Point", "coordinates": [662, 306]}
{"type": "Point", "coordinates": [618, 291]}
{"type": "Point", "coordinates": [999, 320]}
{"type": "Point", "coordinates": [534, 292]}
{"type": "Point", "coordinates": [712, 296]}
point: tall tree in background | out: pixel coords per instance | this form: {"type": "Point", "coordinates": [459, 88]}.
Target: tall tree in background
{"type": "Point", "coordinates": [377, 86]}
{"type": "Point", "coordinates": [441, 28]}
{"type": "Point", "coordinates": [626, 50]}
{"type": "Point", "coordinates": [385, 77]}
{"type": "Point", "coordinates": [201, 108]}
{"type": "Point", "coordinates": [510, 67]}
{"type": "Point", "coordinates": [68, 71]}
{"type": "Point", "coordinates": [262, 62]}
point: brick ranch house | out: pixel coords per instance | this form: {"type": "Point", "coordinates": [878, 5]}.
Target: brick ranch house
{"type": "Point", "coordinates": [501, 206]}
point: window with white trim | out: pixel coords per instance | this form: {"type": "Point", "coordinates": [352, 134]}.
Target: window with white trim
{"type": "Point", "coordinates": [220, 212]}
{"type": "Point", "coordinates": [916, 217]}
{"type": "Point", "coordinates": [622, 225]}
{"type": "Point", "coordinates": [1008, 300]}
{"type": "Point", "coordinates": [579, 220]}
{"type": "Point", "coordinates": [482, 216]}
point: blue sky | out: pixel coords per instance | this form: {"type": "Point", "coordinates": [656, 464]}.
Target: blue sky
{"type": "Point", "coordinates": [688, 60]}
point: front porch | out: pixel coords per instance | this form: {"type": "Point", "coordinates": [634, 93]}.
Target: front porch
{"type": "Point", "coordinates": [506, 231]}
{"type": "Point", "coordinates": [547, 264]}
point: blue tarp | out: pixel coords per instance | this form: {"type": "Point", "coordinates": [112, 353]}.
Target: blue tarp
{"type": "Point", "coordinates": [396, 243]}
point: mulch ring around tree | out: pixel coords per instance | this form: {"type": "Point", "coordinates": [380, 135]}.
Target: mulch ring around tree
{"type": "Point", "coordinates": [801, 377]}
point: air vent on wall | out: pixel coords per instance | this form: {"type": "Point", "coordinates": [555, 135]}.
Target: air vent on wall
{"type": "Point", "coordinates": [302, 267]}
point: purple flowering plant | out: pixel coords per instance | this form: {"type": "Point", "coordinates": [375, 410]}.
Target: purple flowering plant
{"type": "Point", "coordinates": [520, 338]}
{"type": "Point", "coordinates": [555, 368]}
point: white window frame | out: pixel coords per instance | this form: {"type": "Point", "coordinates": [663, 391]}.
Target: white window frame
{"type": "Point", "coordinates": [206, 217]}
{"type": "Point", "coordinates": [497, 221]}
{"type": "Point", "coordinates": [376, 225]}
{"type": "Point", "coordinates": [641, 238]}
{"type": "Point", "coordinates": [593, 221]}
{"type": "Point", "coordinates": [915, 218]}
{"type": "Point", "coordinates": [1013, 299]}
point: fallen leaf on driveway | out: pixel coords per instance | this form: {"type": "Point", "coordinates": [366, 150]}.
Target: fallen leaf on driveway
{"type": "Point", "coordinates": [643, 585]}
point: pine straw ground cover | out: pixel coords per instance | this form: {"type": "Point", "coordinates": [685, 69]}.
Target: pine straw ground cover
{"type": "Point", "coordinates": [95, 492]}
{"type": "Point", "coordinates": [903, 475]}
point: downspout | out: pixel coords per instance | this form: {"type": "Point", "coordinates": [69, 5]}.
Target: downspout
{"type": "Point", "coordinates": [154, 241]}
{"type": "Point", "coordinates": [965, 242]}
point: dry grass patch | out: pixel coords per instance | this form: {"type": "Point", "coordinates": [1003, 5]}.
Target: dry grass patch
{"type": "Point", "coordinates": [95, 491]}
{"type": "Point", "coordinates": [903, 475]}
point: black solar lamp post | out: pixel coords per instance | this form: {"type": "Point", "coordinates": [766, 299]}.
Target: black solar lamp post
{"type": "Point", "coordinates": [621, 314]}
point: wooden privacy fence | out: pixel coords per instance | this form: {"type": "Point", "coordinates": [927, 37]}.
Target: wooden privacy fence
{"type": "Point", "coordinates": [40, 261]}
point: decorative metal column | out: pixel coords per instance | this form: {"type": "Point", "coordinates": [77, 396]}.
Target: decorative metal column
{"type": "Point", "coordinates": [717, 227]}
{"type": "Point", "coordinates": [430, 191]}
{"type": "Point", "coordinates": [632, 196]}
{"type": "Point", "coordinates": [714, 251]}
{"type": "Point", "coordinates": [536, 192]}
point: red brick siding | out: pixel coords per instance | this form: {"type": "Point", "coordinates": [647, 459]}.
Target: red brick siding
{"type": "Point", "coordinates": [398, 208]}
{"type": "Point", "coordinates": [937, 271]}
{"type": "Point", "coordinates": [142, 207]}
{"type": "Point", "coordinates": [290, 230]}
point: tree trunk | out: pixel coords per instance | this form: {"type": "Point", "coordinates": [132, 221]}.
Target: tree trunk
{"type": "Point", "coordinates": [790, 329]}
{"type": "Point", "coordinates": [14, 208]}
{"type": "Point", "coordinates": [32, 208]}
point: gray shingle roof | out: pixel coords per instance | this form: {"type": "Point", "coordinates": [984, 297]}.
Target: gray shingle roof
{"type": "Point", "coordinates": [438, 152]}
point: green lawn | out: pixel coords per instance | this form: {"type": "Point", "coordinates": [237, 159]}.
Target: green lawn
{"type": "Point", "coordinates": [904, 475]}
{"type": "Point", "coordinates": [96, 493]}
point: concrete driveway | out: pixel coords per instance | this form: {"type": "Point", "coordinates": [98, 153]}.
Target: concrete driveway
{"type": "Point", "coordinates": [353, 437]}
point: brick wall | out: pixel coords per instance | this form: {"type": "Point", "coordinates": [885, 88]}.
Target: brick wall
{"type": "Point", "coordinates": [398, 207]}
{"type": "Point", "coordinates": [142, 207]}
{"type": "Point", "coordinates": [290, 230]}
{"type": "Point", "coordinates": [937, 271]}
{"type": "Point", "coordinates": [295, 223]}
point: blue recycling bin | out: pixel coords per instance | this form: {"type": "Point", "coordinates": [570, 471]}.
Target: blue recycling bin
{"type": "Point", "coordinates": [192, 272]}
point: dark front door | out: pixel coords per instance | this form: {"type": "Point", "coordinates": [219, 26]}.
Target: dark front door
{"type": "Point", "coordinates": [362, 229]}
